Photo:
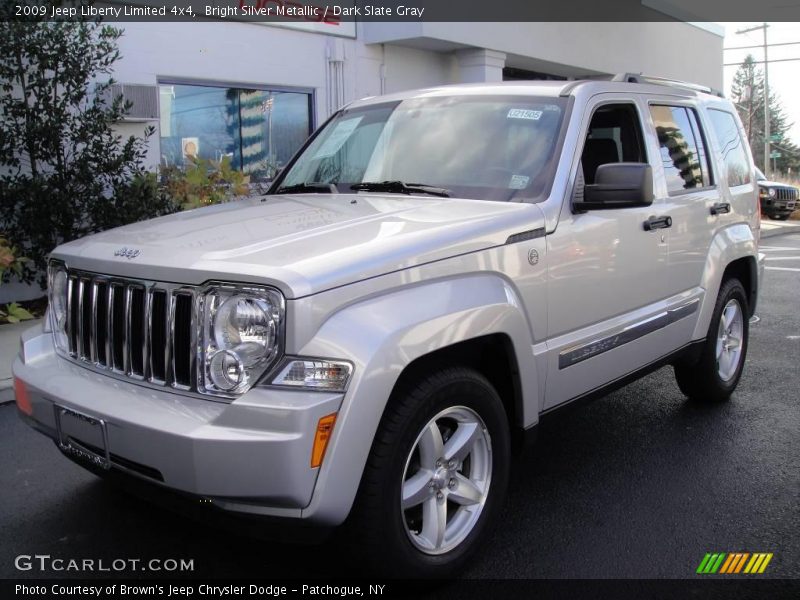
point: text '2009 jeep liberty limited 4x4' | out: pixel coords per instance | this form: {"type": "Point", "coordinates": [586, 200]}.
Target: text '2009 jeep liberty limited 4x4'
{"type": "Point", "coordinates": [431, 273]}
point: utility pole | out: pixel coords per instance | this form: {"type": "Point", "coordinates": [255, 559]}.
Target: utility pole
{"type": "Point", "coordinates": [766, 94]}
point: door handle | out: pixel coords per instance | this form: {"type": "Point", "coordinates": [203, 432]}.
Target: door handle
{"type": "Point", "coordinates": [720, 207]}
{"type": "Point", "coordinates": [657, 223]}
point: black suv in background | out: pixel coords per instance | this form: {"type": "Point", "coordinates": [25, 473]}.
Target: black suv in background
{"type": "Point", "coordinates": [778, 200]}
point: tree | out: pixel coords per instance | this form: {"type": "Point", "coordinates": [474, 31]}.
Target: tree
{"type": "Point", "coordinates": [64, 171]}
{"type": "Point", "coordinates": [747, 92]}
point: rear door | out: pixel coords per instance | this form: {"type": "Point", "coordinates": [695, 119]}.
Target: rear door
{"type": "Point", "coordinates": [687, 186]}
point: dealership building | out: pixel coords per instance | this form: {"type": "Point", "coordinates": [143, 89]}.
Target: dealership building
{"type": "Point", "coordinates": [254, 91]}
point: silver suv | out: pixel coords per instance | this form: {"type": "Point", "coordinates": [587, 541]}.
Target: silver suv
{"type": "Point", "coordinates": [432, 272]}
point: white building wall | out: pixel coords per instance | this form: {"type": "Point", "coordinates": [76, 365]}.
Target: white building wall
{"type": "Point", "coordinates": [389, 57]}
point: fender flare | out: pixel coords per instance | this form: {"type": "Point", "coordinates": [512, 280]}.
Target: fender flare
{"type": "Point", "coordinates": [382, 336]}
{"type": "Point", "coordinates": [728, 245]}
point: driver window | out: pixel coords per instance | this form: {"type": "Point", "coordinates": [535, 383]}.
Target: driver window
{"type": "Point", "coordinates": [615, 135]}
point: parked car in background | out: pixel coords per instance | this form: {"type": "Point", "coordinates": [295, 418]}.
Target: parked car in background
{"type": "Point", "coordinates": [778, 200]}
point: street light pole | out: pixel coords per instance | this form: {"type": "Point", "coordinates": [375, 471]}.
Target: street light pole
{"type": "Point", "coordinates": [766, 95]}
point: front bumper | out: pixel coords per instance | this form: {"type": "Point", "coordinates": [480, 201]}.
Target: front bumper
{"type": "Point", "coordinates": [251, 455]}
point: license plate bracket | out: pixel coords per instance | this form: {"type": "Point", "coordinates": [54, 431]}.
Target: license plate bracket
{"type": "Point", "coordinates": [88, 426]}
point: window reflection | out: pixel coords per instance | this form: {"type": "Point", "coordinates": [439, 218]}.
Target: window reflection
{"type": "Point", "coordinates": [258, 129]}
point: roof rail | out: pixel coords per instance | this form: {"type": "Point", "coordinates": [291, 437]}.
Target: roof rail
{"type": "Point", "coordinates": [639, 78]}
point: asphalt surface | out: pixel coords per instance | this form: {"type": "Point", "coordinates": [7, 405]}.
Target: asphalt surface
{"type": "Point", "coordinates": [638, 484]}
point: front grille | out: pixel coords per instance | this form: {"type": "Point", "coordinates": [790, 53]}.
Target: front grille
{"type": "Point", "coordinates": [786, 194]}
{"type": "Point", "coordinates": [139, 329]}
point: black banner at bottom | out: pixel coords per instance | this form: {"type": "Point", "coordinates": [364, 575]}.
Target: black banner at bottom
{"type": "Point", "coordinates": [439, 589]}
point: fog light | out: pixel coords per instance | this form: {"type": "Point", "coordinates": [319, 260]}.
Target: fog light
{"type": "Point", "coordinates": [226, 370]}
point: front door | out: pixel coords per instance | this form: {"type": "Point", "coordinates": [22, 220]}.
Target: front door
{"type": "Point", "coordinates": [607, 278]}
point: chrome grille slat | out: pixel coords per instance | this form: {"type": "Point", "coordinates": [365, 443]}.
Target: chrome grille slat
{"type": "Point", "coordinates": [70, 325]}
{"type": "Point", "coordinates": [169, 369]}
{"type": "Point", "coordinates": [79, 339]}
{"type": "Point", "coordinates": [126, 339]}
{"type": "Point", "coordinates": [100, 324]}
{"type": "Point", "coordinates": [147, 366]}
{"type": "Point", "coordinates": [93, 338]}
{"type": "Point", "coordinates": [109, 325]}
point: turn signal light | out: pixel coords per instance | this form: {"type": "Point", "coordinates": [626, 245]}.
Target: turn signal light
{"type": "Point", "coordinates": [321, 439]}
{"type": "Point", "coordinates": [21, 394]}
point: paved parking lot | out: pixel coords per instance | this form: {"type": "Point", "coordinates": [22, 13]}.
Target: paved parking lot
{"type": "Point", "coordinates": [638, 484]}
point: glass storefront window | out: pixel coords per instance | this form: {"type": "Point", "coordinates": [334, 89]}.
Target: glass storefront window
{"type": "Point", "coordinates": [258, 129]}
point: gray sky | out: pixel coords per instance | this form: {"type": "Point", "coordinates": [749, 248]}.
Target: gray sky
{"type": "Point", "coordinates": [784, 77]}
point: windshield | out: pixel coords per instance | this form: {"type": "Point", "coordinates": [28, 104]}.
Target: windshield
{"type": "Point", "coordinates": [481, 147]}
{"type": "Point", "coordinates": [759, 175]}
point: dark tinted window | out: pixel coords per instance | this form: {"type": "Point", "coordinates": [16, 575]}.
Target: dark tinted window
{"type": "Point", "coordinates": [683, 154]}
{"type": "Point", "coordinates": [731, 147]}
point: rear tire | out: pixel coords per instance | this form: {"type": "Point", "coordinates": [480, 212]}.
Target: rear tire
{"type": "Point", "coordinates": [715, 375]}
{"type": "Point", "coordinates": [436, 476]}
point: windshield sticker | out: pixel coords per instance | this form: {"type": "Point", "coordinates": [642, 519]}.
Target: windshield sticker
{"type": "Point", "coordinates": [524, 113]}
{"type": "Point", "coordinates": [518, 182]}
{"type": "Point", "coordinates": [338, 137]}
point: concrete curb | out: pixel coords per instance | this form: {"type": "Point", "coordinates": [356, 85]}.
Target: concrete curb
{"type": "Point", "coordinates": [780, 230]}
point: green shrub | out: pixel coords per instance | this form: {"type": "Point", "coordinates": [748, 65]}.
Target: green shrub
{"type": "Point", "coordinates": [204, 182]}
{"type": "Point", "coordinates": [10, 263]}
{"type": "Point", "coordinates": [64, 170]}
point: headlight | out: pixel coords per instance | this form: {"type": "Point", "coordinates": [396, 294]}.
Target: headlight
{"type": "Point", "coordinates": [58, 288]}
{"type": "Point", "coordinates": [241, 337]}
{"type": "Point", "coordinates": [772, 192]}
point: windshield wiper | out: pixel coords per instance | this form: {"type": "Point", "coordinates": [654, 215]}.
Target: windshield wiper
{"type": "Point", "coordinates": [400, 187]}
{"type": "Point", "coordinates": [309, 186]}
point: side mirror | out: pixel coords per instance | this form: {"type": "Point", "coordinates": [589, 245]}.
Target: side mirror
{"type": "Point", "coordinates": [618, 185]}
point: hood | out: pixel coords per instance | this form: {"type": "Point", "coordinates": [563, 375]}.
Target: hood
{"type": "Point", "coordinates": [776, 184]}
{"type": "Point", "coordinates": [302, 244]}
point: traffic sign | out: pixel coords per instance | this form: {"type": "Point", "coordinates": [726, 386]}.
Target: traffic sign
{"type": "Point", "coordinates": [775, 137]}
{"type": "Point", "coordinates": [775, 155]}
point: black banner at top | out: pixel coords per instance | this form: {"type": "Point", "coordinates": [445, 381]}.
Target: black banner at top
{"type": "Point", "coordinates": [338, 11]}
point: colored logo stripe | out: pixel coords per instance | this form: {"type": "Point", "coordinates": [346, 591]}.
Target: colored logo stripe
{"type": "Point", "coordinates": [734, 562]}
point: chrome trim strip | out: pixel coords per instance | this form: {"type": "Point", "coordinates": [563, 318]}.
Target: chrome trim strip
{"type": "Point", "coordinates": [126, 337]}
{"type": "Point", "coordinates": [169, 372]}
{"type": "Point", "coordinates": [147, 357]}
{"type": "Point", "coordinates": [69, 325]}
{"type": "Point", "coordinates": [576, 354]}
{"type": "Point", "coordinates": [93, 337]}
{"type": "Point", "coordinates": [79, 340]}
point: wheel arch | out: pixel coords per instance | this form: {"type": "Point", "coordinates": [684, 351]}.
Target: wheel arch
{"type": "Point", "coordinates": [451, 319]}
{"type": "Point", "coordinates": [732, 253]}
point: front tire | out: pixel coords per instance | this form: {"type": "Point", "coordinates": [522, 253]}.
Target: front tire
{"type": "Point", "coordinates": [436, 476]}
{"type": "Point", "coordinates": [714, 377]}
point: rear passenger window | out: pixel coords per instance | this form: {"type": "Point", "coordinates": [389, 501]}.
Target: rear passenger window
{"type": "Point", "coordinates": [731, 147]}
{"type": "Point", "coordinates": [683, 152]}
